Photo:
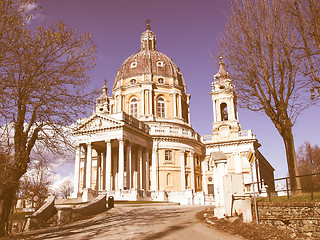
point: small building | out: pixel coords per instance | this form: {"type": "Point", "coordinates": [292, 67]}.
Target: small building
{"type": "Point", "coordinates": [139, 143]}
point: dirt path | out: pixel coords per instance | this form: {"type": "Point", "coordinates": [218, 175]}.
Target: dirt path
{"type": "Point", "coordinates": [143, 222]}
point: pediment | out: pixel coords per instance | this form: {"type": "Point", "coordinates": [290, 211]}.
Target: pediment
{"type": "Point", "coordinates": [98, 123]}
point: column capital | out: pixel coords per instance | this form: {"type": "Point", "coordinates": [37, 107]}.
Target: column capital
{"type": "Point", "coordinates": [146, 149]}
{"type": "Point", "coordinates": [121, 139]}
{"type": "Point", "coordinates": [182, 151]}
{"type": "Point", "coordinates": [107, 141]}
{"type": "Point", "coordinates": [192, 152]}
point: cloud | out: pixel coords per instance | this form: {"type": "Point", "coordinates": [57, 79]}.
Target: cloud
{"type": "Point", "coordinates": [32, 11]}
{"type": "Point", "coordinates": [30, 7]}
{"type": "Point", "coordinates": [58, 179]}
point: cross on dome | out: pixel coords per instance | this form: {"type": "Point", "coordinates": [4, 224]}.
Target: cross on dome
{"type": "Point", "coordinates": [148, 23]}
{"type": "Point", "coordinates": [105, 89]}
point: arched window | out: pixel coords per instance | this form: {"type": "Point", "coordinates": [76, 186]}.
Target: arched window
{"type": "Point", "coordinates": [160, 80]}
{"type": "Point", "coordinates": [160, 107]}
{"type": "Point", "coordinates": [133, 107]}
{"type": "Point", "coordinates": [133, 81]}
{"type": "Point", "coordinates": [224, 112]}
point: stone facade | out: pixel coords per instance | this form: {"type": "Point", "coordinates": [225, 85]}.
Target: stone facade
{"type": "Point", "coordinates": [139, 143]}
{"type": "Point", "coordinates": [303, 217]}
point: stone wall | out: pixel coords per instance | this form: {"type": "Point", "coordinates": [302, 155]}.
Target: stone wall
{"type": "Point", "coordinates": [303, 217]}
{"type": "Point", "coordinates": [42, 215]}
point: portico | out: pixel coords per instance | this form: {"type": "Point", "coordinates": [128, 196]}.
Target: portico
{"type": "Point", "coordinates": [112, 154]}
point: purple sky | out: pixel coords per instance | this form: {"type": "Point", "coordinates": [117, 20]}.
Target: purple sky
{"type": "Point", "coordinates": [186, 32]}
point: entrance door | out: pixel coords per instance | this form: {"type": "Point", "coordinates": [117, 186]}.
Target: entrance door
{"type": "Point", "coordinates": [210, 189]}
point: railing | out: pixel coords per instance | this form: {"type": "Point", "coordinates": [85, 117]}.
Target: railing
{"type": "Point", "coordinates": [206, 137]}
{"type": "Point", "coordinates": [174, 131]}
{"type": "Point", "coordinates": [241, 134]}
{"type": "Point", "coordinates": [245, 133]}
{"type": "Point", "coordinates": [310, 183]}
{"type": "Point", "coordinates": [131, 121]}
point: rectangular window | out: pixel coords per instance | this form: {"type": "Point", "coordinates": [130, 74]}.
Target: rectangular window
{"type": "Point", "coordinates": [168, 155]}
{"type": "Point", "coordinates": [209, 167]}
{"type": "Point", "coordinates": [134, 108]}
{"type": "Point", "coordinates": [160, 107]}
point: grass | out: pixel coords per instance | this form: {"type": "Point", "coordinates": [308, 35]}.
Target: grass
{"type": "Point", "coordinates": [304, 197]}
{"type": "Point", "coordinates": [19, 215]}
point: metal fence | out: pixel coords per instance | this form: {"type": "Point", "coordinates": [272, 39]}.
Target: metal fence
{"type": "Point", "coordinates": [310, 183]}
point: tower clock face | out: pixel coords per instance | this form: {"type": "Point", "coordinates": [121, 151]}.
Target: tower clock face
{"type": "Point", "coordinates": [224, 131]}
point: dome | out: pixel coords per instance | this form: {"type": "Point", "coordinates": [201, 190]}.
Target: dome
{"type": "Point", "coordinates": [149, 61]}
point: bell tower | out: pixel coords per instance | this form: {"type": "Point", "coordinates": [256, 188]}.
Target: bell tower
{"type": "Point", "coordinates": [224, 100]}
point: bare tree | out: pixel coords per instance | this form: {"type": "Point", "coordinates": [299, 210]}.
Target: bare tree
{"type": "Point", "coordinates": [65, 188]}
{"type": "Point", "coordinates": [35, 182]}
{"type": "Point", "coordinates": [259, 44]}
{"type": "Point", "coordinates": [306, 16]}
{"type": "Point", "coordinates": [309, 163]}
{"type": "Point", "coordinates": [42, 90]}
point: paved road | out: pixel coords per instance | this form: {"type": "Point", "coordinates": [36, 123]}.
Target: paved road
{"type": "Point", "coordinates": [143, 222]}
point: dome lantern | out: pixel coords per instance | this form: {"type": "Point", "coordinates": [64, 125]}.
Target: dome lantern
{"type": "Point", "coordinates": [148, 38]}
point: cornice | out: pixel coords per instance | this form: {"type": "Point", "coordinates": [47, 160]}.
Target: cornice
{"type": "Point", "coordinates": [229, 143]}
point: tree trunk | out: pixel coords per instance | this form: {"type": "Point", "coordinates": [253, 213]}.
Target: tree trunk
{"type": "Point", "coordinates": [6, 204]}
{"type": "Point", "coordinates": [292, 162]}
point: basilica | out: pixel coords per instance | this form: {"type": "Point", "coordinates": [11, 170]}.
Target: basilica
{"type": "Point", "coordinates": [139, 142]}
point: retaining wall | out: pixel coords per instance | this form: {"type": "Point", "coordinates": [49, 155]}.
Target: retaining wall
{"type": "Point", "coordinates": [42, 215]}
{"type": "Point", "coordinates": [67, 214]}
{"type": "Point", "coordinates": [303, 217]}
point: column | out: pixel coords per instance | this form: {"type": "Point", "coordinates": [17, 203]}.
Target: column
{"type": "Point", "coordinates": [103, 169]}
{"type": "Point", "coordinates": [142, 106]}
{"type": "Point", "coordinates": [134, 172]}
{"type": "Point", "coordinates": [189, 118]}
{"type": "Point", "coordinates": [193, 186]}
{"type": "Point", "coordinates": [174, 105]}
{"type": "Point", "coordinates": [85, 167]}
{"type": "Point", "coordinates": [129, 166]}
{"type": "Point", "coordinates": [154, 169]}
{"type": "Point", "coordinates": [147, 169]}
{"type": "Point", "coordinates": [121, 165]}
{"type": "Point", "coordinates": [89, 165]}
{"type": "Point", "coordinates": [77, 171]}
{"type": "Point", "coordinates": [150, 102]}
{"type": "Point", "coordinates": [183, 170]}
{"type": "Point", "coordinates": [139, 168]}
{"type": "Point", "coordinates": [214, 111]}
{"type": "Point", "coordinates": [180, 105]}
{"type": "Point", "coordinates": [204, 169]}
{"type": "Point", "coordinates": [116, 104]}
{"type": "Point", "coordinates": [231, 110]}
{"type": "Point", "coordinates": [98, 175]}
{"type": "Point", "coordinates": [108, 165]}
